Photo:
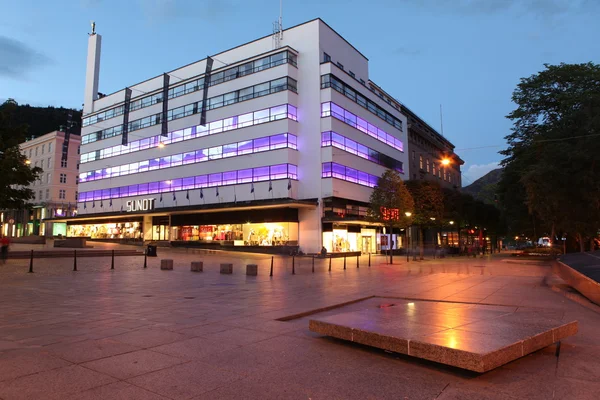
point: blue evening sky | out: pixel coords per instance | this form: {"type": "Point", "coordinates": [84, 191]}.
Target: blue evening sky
{"type": "Point", "coordinates": [467, 55]}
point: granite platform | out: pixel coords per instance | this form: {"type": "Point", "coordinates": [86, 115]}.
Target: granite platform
{"type": "Point", "coordinates": [474, 337]}
{"type": "Point", "coordinates": [582, 272]}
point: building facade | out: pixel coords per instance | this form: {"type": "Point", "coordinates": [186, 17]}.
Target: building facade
{"type": "Point", "coordinates": [55, 192]}
{"type": "Point", "coordinates": [277, 143]}
{"type": "Point", "coordinates": [431, 155]}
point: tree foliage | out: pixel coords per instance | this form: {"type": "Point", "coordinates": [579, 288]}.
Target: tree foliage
{"type": "Point", "coordinates": [429, 202]}
{"type": "Point", "coordinates": [391, 193]}
{"type": "Point", "coordinates": [551, 166]}
{"type": "Point", "coordinates": [15, 174]}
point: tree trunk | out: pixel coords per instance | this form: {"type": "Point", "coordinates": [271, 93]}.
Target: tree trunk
{"type": "Point", "coordinates": [421, 249]}
{"type": "Point", "coordinates": [552, 235]}
{"type": "Point", "coordinates": [581, 245]}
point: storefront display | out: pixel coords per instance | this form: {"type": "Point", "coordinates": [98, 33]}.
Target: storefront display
{"type": "Point", "coordinates": [345, 239]}
{"type": "Point", "coordinates": [249, 234]}
{"type": "Point", "coordinates": [121, 230]}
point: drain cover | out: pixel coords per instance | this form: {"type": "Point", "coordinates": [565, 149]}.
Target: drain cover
{"type": "Point", "coordinates": [385, 305]}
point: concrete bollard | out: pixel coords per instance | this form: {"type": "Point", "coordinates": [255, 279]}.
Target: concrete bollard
{"type": "Point", "coordinates": [226, 268]}
{"type": "Point", "coordinates": [31, 263]}
{"type": "Point", "coordinates": [197, 266]}
{"type": "Point", "coordinates": [166, 264]}
{"type": "Point", "coordinates": [252, 269]}
{"type": "Point", "coordinates": [271, 273]}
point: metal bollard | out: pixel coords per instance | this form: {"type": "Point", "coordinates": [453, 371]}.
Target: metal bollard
{"type": "Point", "coordinates": [369, 259]}
{"type": "Point", "coordinates": [31, 263]}
{"type": "Point", "coordinates": [271, 273]}
{"type": "Point", "coordinates": [329, 263]}
{"type": "Point", "coordinates": [145, 261]}
{"type": "Point", "coordinates": [357, 262]}
{"type": "Point", "coordinates": [112, 262]}
{"type": "Point", "coordinates": [74, 260]}
{"type": "Point", "coordinates": [344, 261]}
{"type": "Point", "coordinates": [313, 264]}
{"type": "Point", "coordinates": [293, 265]}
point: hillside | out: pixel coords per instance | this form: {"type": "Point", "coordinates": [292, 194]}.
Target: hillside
{"type": "Point", "coordinates": [484, 188]}
{"type": "Point", "coordinates": [42, 120]}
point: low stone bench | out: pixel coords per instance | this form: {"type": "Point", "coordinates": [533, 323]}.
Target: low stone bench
{"type": "Point", "coordinates": [252, 269]}
{"type": "Point", "coordinates": [226, 268]}
{"type": "Point", "coordinates": [166, 264]}
{"type": "Point", "coordinates": [197, 266]}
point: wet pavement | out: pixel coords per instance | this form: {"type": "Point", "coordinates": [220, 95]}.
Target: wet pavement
{"type": "Point", "coordinates": [135, 333]}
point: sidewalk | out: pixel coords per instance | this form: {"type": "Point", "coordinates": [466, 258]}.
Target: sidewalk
{"type": "Point", "coordinates": [150, 334]}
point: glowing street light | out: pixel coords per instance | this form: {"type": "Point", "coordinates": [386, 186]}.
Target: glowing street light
{"type": "Point", "coordinates": [161, 145]}
{"type": "Point", "coordinates": [408, 214]}
{"type": "Point", "coordinates": [445, 161]}
{"type": "Point", "coordinates": [28, 162]}
{"type": "Point", "coordinates": [451, 222]}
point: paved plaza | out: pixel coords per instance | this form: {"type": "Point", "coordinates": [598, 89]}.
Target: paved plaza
{"type": "Point", "coordinates": [135, 333]}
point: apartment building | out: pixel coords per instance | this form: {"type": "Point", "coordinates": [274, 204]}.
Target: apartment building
{"type": "Point", "coordinates": [55, 192]}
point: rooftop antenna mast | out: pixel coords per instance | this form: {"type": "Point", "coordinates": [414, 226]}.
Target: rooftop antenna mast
{"type": "Point", "coordinates": [278, 28]}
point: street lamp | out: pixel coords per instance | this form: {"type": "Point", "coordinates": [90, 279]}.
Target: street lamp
{"type": "Point", "coordinates": [161, 145]}
{"type": "Point", "coordinates": [408, 215]}
{"type": "Point", "coordinates": [28, 162]}
{"type": "Point", "coordinates": [445, 161]}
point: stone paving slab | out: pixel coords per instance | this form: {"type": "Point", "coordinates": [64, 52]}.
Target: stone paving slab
{"type": "Point", "coordinates": [476, 338]}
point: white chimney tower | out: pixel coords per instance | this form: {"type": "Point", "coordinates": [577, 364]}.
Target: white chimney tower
{"type": "Point", "coordinates": [92, 72]}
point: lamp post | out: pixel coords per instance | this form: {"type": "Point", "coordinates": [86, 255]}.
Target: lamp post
{"type": "Point", "coordinates": [408, 214]}
{"type": "Point", "coordinates": [434, 237]}
{"type": "Point", "coordinates": [452, 223]}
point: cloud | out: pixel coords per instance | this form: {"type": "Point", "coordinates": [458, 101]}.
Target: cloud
{"type": "Point", "coordinates": [476, 171]}
{"type": "Point", "coordinates": [544, 8]}
{"type": "Point", "coordinates": [17, 59]}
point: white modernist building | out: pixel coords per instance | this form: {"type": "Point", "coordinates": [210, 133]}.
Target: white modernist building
{"type": "Point", "coordinates": [294, 138]}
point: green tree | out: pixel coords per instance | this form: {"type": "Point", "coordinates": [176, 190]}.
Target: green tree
{"type": "Point", "coordinates": [553, 151]}
{"type": "Point", "coordinates": [389, 201]}
{"type": "Point", "coordinates": [429, 206]}
{"type": "Point", "coordinates": [16, 173]}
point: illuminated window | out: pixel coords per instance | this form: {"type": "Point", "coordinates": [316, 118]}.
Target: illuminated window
{"type": "Point", "coordinates": [421, 161]}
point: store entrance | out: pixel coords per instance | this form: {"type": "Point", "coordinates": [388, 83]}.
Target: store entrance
{"type": "Point", "coordinates": [366, 244]}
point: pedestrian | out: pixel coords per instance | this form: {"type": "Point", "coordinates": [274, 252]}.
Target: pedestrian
{"type": "Point", "coordinates": [4, 242]}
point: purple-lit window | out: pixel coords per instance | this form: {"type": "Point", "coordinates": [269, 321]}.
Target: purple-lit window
{"type": "Point", "coordinates": [292, 171]}
{"type": "Point", "coordinates": [106, 193]}
{"type": "Point", "coordinates": [244, 175]}
{"type": "Point", "coordinates": [363, 178]}
{"type": "Point", "coordinates": [215, 179]}
{"type": "Point", "coordinates": [278, 112]}
{"type": "Point", "coordinates": [351, 146]}
{"type": "Point", "coordinates": [326, 170]}
{"type": "Point", "coordinates": [278, 141]}
{"type": "Point", "coordinates": [216, 127]}
{"type": "Point", "coordinates": [189, 158]}
{"type": "Point", "coordinates": [165, 186]}
{"type": "Point", "coordinates": [201, 155]}
{"type": "Point", "coordinates": [214, 153]}
{"type": "Point", "coordinates": [279, 171]}
{"type": "Point", "coordinates": [188, 134]}
{"type": "Point", "coordinates": [362, 125]}
{"type": "Point", "coordinates": [230, 123]}
{"type": "Point", "coordinates": [201, 181]}
{"type": "Point", "coordinates": [351, 175]}
{"type": "Point", "coordinates": [325, 139]}
{"type": "Point", "coordinates": [292, 141]}
{"type": "Point", "coordinates": [338, 171]}
{"type": "Point", "coordinates": [350, 118]}
{"type": "Point", "coordinates": [337, 140]}
{"type": "Point", "coordinates": [144, 166]}
{"type": "Point", "coordinates": [153, 187]}
{"type": "Point", "coordinates": [154, 163]}
{"type": "Point", "coordinates": [142, 189]}
{"type": "Point", "coordinates": [261, 174]}
{"type": "Point", "coordinates": [362, 151]}
{"type": "Point", "coordinates": [261, 144]}
{"type": "Point", "coordinates": [246, 120]}
{"type": "Point", "coordinates": [187, 183]}
{"type": "Point", "coordinates": [201, 130]}
{"type": "Point", "coordinates": [337, 111]}
{"type": "Point", "coordinates": [230, 150]}
{"type": "Point", "coordinates": [261, 116]}
{"type": "Point", "coordinates": [176, 136]}
{"type": "Point", "coordinates": [165, 162]}
{"type": "Point", "coordinates": [244, 147]}
{"type": "Point", "coordinates": [292, 112]}
{"type": "Point", "coordinates": [133, 190]}
{"type": "Point", "coordinates": [325, 109]}
{"type": "Point", "coordinates": [176, 184]}
{"type": "Point", "coordinates": [229, 177]}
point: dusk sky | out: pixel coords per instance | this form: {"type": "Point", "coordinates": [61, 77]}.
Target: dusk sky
{"type": "Point", "coordinates": [467, 55]}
